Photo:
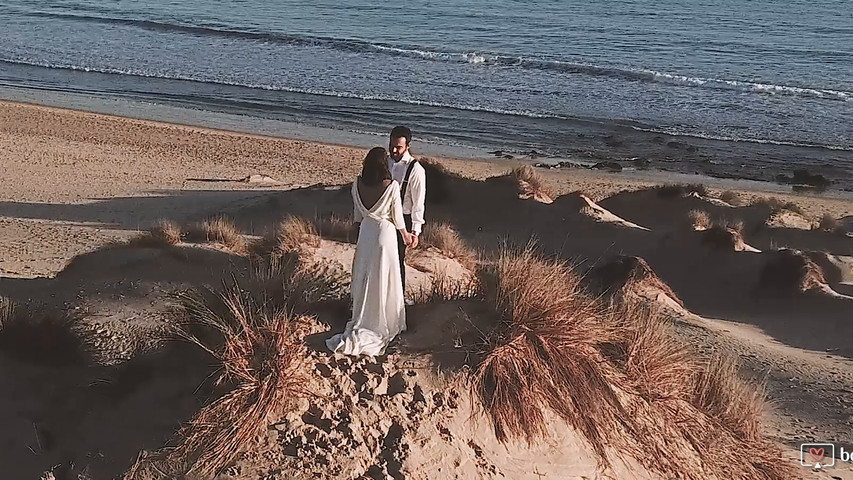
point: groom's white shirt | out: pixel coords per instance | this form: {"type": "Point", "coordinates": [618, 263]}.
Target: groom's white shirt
{"type": "Point", "coordinates": [413, 203]}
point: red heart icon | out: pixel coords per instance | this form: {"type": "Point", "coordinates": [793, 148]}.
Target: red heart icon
{"type": "Point", "coordinates": [816, 453]}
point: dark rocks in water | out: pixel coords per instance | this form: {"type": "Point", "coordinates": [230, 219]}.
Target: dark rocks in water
{"type": "Point", "coordinates": [534, 153]}
{"type": "Point", "coordinates": [674, 144]}
{"type": "Point", "coordinates": [692, 148]}
{"type": "Point", "coordinates": [658, 140]}
{"type": "Point", "coordinates": [642, 163]}
{"type": "Point", "coordinates": [569, 165]}
{"type": "Point", "coordinates": [550, 166]}
{"type": "Point", "coordinates": [497, 153]}
{"type": "Point", "coordinates": [609, 166]}
{"type": "Point", "coordinates": [508, 156]}
{"type": "Point", "coordinates": [802, 180]}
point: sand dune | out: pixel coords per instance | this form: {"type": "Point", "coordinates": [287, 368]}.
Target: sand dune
{"type": "Point", "coordinates": [769, 290]}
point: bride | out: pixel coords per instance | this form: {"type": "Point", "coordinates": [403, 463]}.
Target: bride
{"type": "Point", "coordinates": [378, 309]}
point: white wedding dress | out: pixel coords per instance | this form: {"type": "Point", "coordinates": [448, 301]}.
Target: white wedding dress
{"type": "Point", "coordinates": [378, 308]}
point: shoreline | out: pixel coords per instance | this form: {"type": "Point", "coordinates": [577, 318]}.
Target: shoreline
{"type": "Point", "coordinates": [443, 132]}
{"type": "Point", "coordinates": [254, 127]}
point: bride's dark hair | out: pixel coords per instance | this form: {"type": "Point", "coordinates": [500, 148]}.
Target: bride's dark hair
{"type": "Point", "coordinates": [374, 169]}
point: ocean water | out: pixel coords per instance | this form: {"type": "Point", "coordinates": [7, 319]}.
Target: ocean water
{"type": "Point", "coordinates": [761, 81]}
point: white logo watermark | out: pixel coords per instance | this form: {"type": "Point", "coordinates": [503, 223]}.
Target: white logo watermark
{"type": "Point", "coordinates": [822, 455]}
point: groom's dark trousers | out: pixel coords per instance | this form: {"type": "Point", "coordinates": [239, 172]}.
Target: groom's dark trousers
{"type": "Point", "coordinates": [401, 250]}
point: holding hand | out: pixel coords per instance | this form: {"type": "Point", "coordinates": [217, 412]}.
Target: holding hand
{"type": "Point", "coordinates": [414, 240]}
{"type": "Point", "coordinates": [407, 237]}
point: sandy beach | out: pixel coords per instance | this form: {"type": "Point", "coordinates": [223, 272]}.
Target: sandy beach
{"type": "Point", "coordinates": [75, 183]}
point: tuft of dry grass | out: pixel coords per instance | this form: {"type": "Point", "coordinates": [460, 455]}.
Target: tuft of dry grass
{"type": "Point", "coordinates": [286, 281]}
{"type": "Point", "coordinates": [618, 376]}
{"type": "Point", "coordinates": [219, 230]}
{"type": "Point", "coordinates": [775, 205]}
{"type": "Point", "coordinates": [648, 353]}
{"type": "Point", "coordinates": [679, 190]}
{"type": "Point", "coordinates": [829, 223]}
{"type": "Point", "coordinates": [722, 238]}
{"type": "Point", "coordinates": [445, 238]}
{"type": "Point", "coordinates": [261, 353]}
{"type": "Point", "coordinates": [167, 232]}
{"type": "Point", "coordinates": [718, 391]}
{"type": "Point", "coordinates": [731, 198]}
{"type": "Point", "coordinates": [531, 185]}
{"type": "Point", "coordinates": [40, 337]}
{"type": "Point", "coordinates": [292, 234]}
{"type": "Point", "coordinates": [442, 288]}
{"type": "Point", "coordinates": [543, 356]}
{"type": "Point", "coordinates": [790, 272]}
{"type": "Point", "coordinates": [700, 220]}
{"type": "Point", "coordinates": [335, 227]}
{"type": "Point", "coordinates": [623, 274]}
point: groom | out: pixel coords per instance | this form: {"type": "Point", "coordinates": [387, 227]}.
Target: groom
{"type": "Point", "coordinates": [412, 179]}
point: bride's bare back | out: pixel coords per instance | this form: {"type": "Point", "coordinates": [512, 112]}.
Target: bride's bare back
{"type": "Point", "coordinates": [369, 195]}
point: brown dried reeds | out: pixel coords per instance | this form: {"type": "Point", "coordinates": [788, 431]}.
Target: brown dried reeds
{"type": "Point", "coordinates": [790, 272]}
{"type": "Point", "coordinates": [442, 288]}
{"type": "Point", "coordinates": [700, 220]}
{"type": "Point", "coordinates": [618, 376]}
{"type": "Point", "coordinates": [623, 274]}
{"type": "Point", "coordinates": [648, 353]}
{"type": "Point", "coordinates": [288, 281]}
{"type": "Point", "coordinates": [731, 198]}
{"type": "Point", "coordinates": [829, 223]}
{"type": "Point", "coordinates": [544, 355]}
{"type": "Point", "coordinates": [721, 394]}
{"type": "Point", "coordinates": [776, 205]}
{"type": "Point", "coordinates": [722, 238]}
{"type": "Point", "coordinates": [292, 234]}
{"type": "Point", "coordinates": [446, 239]}
{"type": "Point", "coordinates": [218, 230]}
{"type": "Point", "coordinates": [261, 353]}
{"type": "Point", "coordinates": [167, 232]}
{"type": "Point", "coordinates": [336, 227]}
{"type": "Point", "coordinates": [531, 185]}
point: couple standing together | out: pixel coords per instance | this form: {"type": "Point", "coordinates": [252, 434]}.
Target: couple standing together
{"type": "Point", "coordinates": [388, 199]}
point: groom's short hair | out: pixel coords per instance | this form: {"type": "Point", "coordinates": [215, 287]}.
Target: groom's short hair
{"type": "Point", "coordinates": [401, 131]}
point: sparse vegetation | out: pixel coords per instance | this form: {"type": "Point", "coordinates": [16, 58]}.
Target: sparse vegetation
{"type": "Point", "coordinates": [680, 190]}
{"type": "Point", "coordinates": [790, 272]}
{"type": "Point", "coordinates": [614, 279]}
{"type": "Point", "coordinates": [218, 230]}
{"type": "Point", "coordinates": [616, 375]}
{"type": "Point", "coordinates": [286, 281]}
{"type": "Point", "coordinates": [731, 198]}
{"type": "Point", "coordinates": [544, 354]}
{"type": "Point", "coordinates": [721, 394]}
{"type": "Point", "coordinates": [722, 238]}
{"type": "Point", "coordinates": [531, 185]}
{"type": "Point", "coordinates": [445, 289]}
{"type": "Point", "coordinates": [828, 223]}
{"type": "Point", "coordinates": [167, 232]}
{"type": "Point", "coordinates": [261, 353]}
{"type": "Point", "coordinates": [292, 234]}
{"type": "Point", "coordinates": [775, 205]}
{"type": "Point", "coordinates": [335, 227]}
{"type": "Point", "coordinates": [445, 238]}
{"type": "Point", "coordinates": [700, 220]}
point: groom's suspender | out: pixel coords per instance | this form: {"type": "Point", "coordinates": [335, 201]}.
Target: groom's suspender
{"type": "Point", "coordinates": [406, 180]}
